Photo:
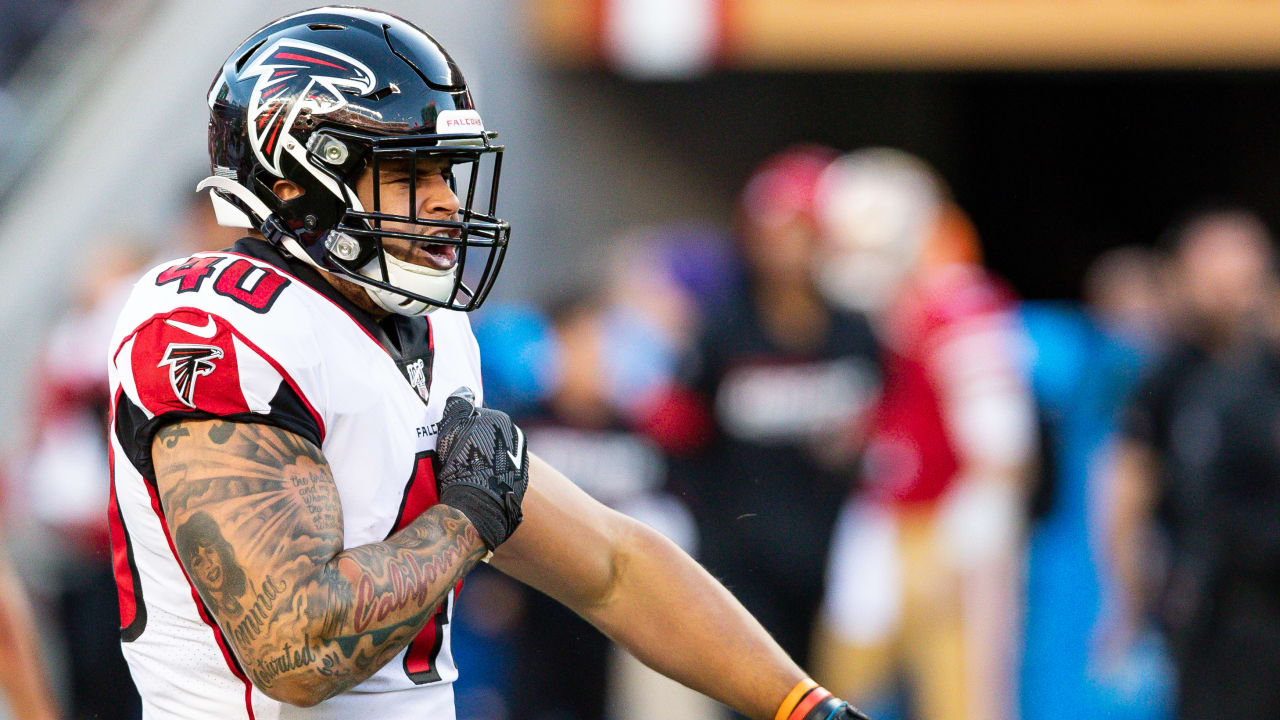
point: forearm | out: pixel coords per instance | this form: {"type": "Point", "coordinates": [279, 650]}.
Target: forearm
{"type": "Point", "coordinates": [675, 617]}
{"type": "Point", "coordinates": [23, 682]}
{"type": "Point", "coordinates": [363, 607]}
{"type": "Point", "coordinates": [1128, 520]}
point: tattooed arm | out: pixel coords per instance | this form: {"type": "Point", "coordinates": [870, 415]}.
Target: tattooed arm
{"type": "Point", "coordinates": [256, 519]}
{"type": "Point", "coordinates": [646, 594]}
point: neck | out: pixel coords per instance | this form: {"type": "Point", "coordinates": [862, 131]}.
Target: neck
{"type": "Point", "coordinates": [355, 293]}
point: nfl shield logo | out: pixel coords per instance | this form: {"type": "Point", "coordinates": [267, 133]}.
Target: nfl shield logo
{"type": "Point", "coordinates": [417, 373]}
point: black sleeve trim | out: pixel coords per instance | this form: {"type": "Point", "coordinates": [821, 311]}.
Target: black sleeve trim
{"type": "Point", "coordinates": [136, 432]}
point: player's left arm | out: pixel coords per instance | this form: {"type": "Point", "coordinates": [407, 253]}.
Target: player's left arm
{"type": "Point", "coordinates": [646, 594]}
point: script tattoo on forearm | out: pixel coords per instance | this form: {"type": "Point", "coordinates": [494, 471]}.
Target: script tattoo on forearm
{"type": "Point", "coordinates": [256, 519]}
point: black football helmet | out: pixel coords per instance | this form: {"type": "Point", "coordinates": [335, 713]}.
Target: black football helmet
{"type": "Point", "coordinates": [317, 98]}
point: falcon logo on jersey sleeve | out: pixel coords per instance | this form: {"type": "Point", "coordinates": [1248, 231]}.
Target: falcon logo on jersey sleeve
{"type": "Point", "coordinates": [293, 76]}
{"type": "Point", "coordinates": [186, 363]}
{"type": "Point", "coordinates": [188, 360]}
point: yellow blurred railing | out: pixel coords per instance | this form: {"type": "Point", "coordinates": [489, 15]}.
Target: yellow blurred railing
{"type": "Point", "coordinates": [950, 34]}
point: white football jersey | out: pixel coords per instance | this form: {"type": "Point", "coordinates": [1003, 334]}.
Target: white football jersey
{"type": "Point", "coordinates": [253, 337]}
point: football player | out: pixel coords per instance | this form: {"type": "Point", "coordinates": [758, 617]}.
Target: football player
{"type": "Point", "coordinates": [297, 394]}
{"type": "Point", "coordinates": [923, 563]}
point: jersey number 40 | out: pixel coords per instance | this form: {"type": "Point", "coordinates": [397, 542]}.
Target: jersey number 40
{"type": "Point", "coordinates": [249, 284]}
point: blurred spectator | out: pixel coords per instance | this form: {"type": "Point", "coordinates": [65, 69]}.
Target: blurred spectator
{"type": "Point", "coordinates": [21, 669]}
{"type": "Point", "coordinates": [923, 570]}
{"type": "Point", "coordinates": [1085, 364]}
{"type": "Point", "coordinates": [65, 486]}
{"type": "Point", "coordinates": [580, 431]}
{"type": "Point", "coordinates": [1126, 290]}
{"type": "Point", "coordinates": [602, 354]}
{"type": "Point", "coordinates": [1200, 469]}
{"type": "Point", "coordinates": [784, 379]}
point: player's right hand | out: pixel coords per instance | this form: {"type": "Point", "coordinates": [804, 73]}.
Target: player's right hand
{"type": "Point", "coordinates": [484, 466]}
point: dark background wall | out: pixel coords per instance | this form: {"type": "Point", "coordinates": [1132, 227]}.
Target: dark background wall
{"type": "Point", "coordinates": [1054, 167]}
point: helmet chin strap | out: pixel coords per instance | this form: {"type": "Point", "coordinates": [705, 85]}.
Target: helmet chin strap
{"type": "Point", "coordinates": [418, 279]}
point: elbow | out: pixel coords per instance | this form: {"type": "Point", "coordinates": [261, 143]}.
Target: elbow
{"type": "Point", "coordinates": [632, 541]}
{"type": "Point", "coordinates": [597, 597]}
{"type": "Point", "coordinates": [292, 694]}
{"type": "Point", "coordinates": [300, 692]}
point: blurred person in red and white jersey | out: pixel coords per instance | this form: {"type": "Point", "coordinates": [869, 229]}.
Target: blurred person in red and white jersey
{"type": "Point", "coordinates": [783, 378]}
{"type": "Point", "coordinates": [63, 486]}
{"type": "Point", "coordinates": [922, 576]}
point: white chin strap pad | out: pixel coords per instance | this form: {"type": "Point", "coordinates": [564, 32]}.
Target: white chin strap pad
{"type": "Point", "coordinates": [418, 279]}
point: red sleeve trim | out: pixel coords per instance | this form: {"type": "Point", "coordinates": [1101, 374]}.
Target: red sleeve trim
{"type": "Point", "coordinates": [169, 387]}
{"type": "Point", "coordinates": [293, 385]}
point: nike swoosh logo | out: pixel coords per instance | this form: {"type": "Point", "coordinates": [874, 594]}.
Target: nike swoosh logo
{"type": "Point", "coordinates": [515, 456]}
{"type": "Point", "coordinates": [208, 331]}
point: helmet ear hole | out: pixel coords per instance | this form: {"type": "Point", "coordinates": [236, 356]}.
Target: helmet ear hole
{"type": "Point", "coordinates": [287, 190]}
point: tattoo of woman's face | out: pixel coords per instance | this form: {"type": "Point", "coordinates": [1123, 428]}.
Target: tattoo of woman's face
{"type": "Point", "coordinates": [211, 560]}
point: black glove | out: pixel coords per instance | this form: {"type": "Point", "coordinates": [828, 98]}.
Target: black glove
{"type": "Point", "coordinates": [484, 466]}
{"type": "Point", "coordinates": [849, 712]}
{"type": "Point", "coordinates": [834, 708]}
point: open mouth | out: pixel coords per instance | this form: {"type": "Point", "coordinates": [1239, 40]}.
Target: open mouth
{"type": "Point", "coordinates": [440, 257]}
{"type": "Point", "coordinates": [435, 255]}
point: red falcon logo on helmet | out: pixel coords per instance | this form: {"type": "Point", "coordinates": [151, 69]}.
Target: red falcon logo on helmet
{"type": "Point", "coordinates": [295, 75]}
{"type": "Point", "coordinates": [186, 363]}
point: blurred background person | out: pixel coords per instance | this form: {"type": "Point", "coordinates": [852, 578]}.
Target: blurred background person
{"type": "Point", "coordinates": [1085, 362]}
{"type": "Point", "coordinates": [783, 380]}
{"type": "Point", "coordinates": [586, 380]}
{"type": "Point", "coordinates": [64, 487]}
{"type": "Point", "coordinates": [22, 669]}
{"type": "Point", "coordinates": [1194, 537]}
{"type": "Point", "coordinates": [924, 570]}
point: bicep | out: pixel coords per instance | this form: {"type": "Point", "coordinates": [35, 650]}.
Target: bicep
{"type": "Point", "coordinates": [567, 544]}
{"type": "Point", "coordinates": [253, 514]}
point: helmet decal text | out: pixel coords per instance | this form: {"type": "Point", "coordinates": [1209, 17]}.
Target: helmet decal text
{"type": "Point", "coordinates": [295, 75]}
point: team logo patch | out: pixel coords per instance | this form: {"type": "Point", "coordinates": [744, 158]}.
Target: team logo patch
{"type": "Point", "coordinates": [295, 75]}
{"type": "Point", "coordinates": [186, 363]}
{"type": "Point", "coordinates": [417, 374]}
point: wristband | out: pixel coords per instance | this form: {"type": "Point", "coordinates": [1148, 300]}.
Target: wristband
{"type": "Point", "coordinates": [793, 699]}
{"type": "Point", "coordinates": [811, 700]}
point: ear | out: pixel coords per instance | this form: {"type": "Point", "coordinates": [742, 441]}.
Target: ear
{"type": "Point", "coordinates": [286, 190]}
